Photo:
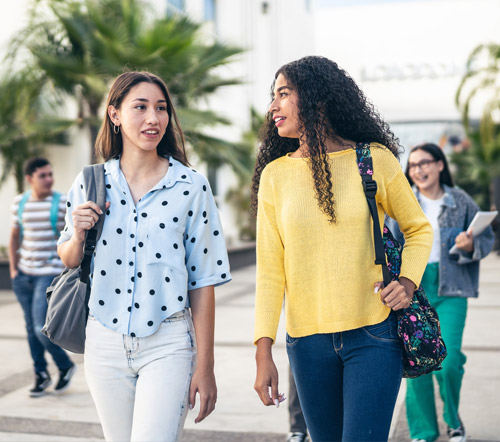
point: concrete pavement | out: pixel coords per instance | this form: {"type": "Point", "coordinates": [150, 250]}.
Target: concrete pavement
{"type": "Point", "coordinates": [239, 416]}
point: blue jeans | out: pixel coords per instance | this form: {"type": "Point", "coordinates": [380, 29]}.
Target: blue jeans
{"type": "Point", "coordinates": [30, 292]}
{"type": "Point", "coordinates": [348, 382]}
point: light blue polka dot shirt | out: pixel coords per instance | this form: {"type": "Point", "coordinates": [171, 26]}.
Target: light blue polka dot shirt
{"type": "Point", "coordinates": [150, 254]}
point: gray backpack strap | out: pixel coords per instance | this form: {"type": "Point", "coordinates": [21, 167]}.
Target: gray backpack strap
{"type": "Point", "coordinates": [93, 177]}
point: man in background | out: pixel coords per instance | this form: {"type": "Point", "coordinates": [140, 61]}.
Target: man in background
{"type": "Point", "coordinates": [37, 218]}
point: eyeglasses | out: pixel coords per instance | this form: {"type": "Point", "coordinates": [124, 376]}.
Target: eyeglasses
{"type": "Point", "coordinates": [424, 164]}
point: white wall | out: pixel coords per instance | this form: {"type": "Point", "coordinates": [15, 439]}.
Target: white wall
{"type": "Point", "coordinates": [426, 39]}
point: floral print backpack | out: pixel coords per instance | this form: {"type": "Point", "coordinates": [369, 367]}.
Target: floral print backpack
{"type": "Point", "coordinates": [418, 325]}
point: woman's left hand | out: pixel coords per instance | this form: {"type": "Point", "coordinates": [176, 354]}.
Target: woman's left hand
{"type": "Point", "coordinates": [397, 295]}
{"type": "Point", "coordinates": [203, 383]}
{"type": "Point", "coordinates": [465, 241]}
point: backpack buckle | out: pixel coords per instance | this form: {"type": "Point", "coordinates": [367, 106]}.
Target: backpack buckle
{"type": "Point", "coordinates": [370, 188]}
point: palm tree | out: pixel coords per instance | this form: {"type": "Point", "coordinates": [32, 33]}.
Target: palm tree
{"type": "Point", "coordinates": [25, 124]}
{"type": "Point", "coordinates": [83, 44]}
{"type": "Point", "coordinates": [479, 166]}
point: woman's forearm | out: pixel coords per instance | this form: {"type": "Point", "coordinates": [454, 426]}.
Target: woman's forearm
{"type": "Point", "coordinates": [203, 310]}
{"type": "Point", "coordinates": [71, 252]}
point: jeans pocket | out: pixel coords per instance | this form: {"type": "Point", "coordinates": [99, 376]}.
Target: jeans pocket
{"type": "Point", "coordinates": [290, 341]}
{"type": "Point", "coordinates": [384, 331]}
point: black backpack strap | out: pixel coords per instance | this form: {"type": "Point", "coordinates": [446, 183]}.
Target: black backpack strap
{"type": "Point", "coordinates": [93, 178]}
{"type": "Point", "coordinates": [365, 167]}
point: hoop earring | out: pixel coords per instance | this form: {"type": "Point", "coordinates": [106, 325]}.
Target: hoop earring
{"type": "Point", "coordinates": [116, 129]}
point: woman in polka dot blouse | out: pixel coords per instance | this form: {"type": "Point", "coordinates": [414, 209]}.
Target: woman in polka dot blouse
{"type": "Point", "coordinates": [315, 249]}
{"type": "Point", "coordinates": [160, 255]}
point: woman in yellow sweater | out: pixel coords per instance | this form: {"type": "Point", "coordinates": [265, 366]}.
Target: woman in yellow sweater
{"type": "Point", "coordinates": [315, 249]}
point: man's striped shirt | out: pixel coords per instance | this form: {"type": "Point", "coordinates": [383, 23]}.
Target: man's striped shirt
{"type": "Point", "coordinates": [38, 250]}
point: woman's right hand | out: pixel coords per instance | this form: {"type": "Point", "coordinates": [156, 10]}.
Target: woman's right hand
{"type": "Point", "coordinates": [267, 374]}
{"type": "Point", "coordinates": [85, 216]}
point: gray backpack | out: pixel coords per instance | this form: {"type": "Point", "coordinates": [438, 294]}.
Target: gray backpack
{"type": "Point", "coordinates": [68, 295]}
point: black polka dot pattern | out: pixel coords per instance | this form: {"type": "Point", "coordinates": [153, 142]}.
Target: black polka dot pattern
{"type": "Point", "coordinates": [163, 229]}
{"type": "Point", "coordinates": [68, 204]}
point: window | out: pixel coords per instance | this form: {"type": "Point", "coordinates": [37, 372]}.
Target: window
{"type": "Point", "coordinates": [175, 6]}
{"type": "Point", "coordinates": [209, 10]}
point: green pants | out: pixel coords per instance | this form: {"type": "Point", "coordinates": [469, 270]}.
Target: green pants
{"type": "Point", "coordinates": [420, 406]}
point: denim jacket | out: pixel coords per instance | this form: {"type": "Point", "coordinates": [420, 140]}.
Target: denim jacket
{"type": "Point", "coordinates": [458, 272]}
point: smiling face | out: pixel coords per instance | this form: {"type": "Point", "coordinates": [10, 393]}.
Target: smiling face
{"type": "Point", "coordinates": [142, 117]}
{"type": "Point", "coordinates": [284, 108]}
{"type": "Point", "coordinates": [424, 170]}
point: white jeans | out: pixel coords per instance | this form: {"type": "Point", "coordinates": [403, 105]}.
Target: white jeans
{"type": "Point", "coordinates": [140, 386]}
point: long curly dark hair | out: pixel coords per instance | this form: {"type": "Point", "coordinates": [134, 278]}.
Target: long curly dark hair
{"type": "Point", "coordinates": [330, 104]}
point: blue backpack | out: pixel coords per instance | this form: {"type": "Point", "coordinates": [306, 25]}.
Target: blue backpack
{"type": "Point", "coordinates": [54, 211]}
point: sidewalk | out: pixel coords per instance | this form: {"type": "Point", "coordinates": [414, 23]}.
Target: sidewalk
{"type": "Point", "coordinates": [239, 416]}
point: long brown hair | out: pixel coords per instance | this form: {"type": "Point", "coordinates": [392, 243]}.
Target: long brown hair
{"type": "Point", "coordinates": [110, 145]}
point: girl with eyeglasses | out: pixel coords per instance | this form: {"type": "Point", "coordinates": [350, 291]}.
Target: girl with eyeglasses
{"type": "Point", "coordinates": [449, 279]}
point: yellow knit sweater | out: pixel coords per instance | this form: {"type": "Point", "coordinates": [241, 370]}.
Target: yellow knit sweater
{"type": "Point", "coordinates": [326, 271]}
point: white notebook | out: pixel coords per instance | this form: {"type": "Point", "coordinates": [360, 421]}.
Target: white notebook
{"type": "Point", "coordinates": [480, 221]}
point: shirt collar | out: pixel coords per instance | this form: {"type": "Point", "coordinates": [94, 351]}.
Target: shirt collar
{"type": "Point", "coordinates": [448, 199]}
{"type": "Point", "coordinates": [177, 172]}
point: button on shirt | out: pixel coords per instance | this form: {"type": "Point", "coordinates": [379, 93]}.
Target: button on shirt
{"type": "Point", "coordinates": [150, 254]}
